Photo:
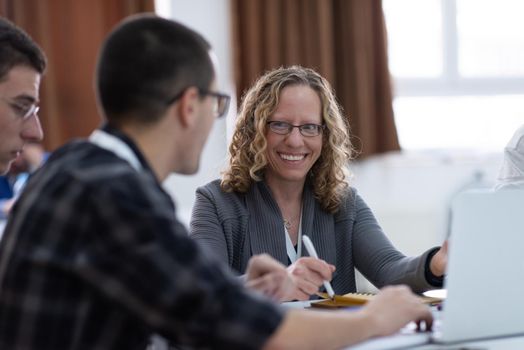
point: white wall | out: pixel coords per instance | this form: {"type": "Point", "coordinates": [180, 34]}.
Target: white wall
{"type": "Point", "coordinates": [211, 19]}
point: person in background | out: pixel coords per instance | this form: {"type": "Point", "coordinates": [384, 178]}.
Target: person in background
{"type": "Point", "coordinates": [93, 256]}
{"type": "Point", "coordinates": [511, 174]}
{"type": "Point", "coordinates": [287, 177]}
{"type": "Point", "coordinates": [21, 168]}
{"type": "Point", "coordinates": [22, 64]}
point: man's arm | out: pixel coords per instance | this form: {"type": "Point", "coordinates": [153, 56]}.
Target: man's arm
{"type": "Point", "coordinates": [269, 277]}
{"type": "Point", "coordinates": [140, 258]}
{"type": "Point", "coordinates": [390, 310]}
{"type": "Point", "coordinates": [296, 282]}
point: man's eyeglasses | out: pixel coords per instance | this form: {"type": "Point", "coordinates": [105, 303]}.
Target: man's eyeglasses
{"type": "Point", "coordinates": [23, 111]}
{"type": "Point", "coordinates": [221, 104]}
{"type": "Point", "coordinates": [284, 128]}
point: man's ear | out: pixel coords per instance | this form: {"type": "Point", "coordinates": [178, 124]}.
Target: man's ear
{"type": "Point", "coordinates": [188, 106]}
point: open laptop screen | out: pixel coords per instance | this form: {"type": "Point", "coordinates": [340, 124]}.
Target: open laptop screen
{"type": "Point", "coordinates": [485, 281]}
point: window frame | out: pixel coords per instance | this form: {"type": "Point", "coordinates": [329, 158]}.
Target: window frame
{"type": "Point", "coordinates": [450, 82]}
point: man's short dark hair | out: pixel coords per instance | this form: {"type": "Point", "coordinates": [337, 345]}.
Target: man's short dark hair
{"type": "Point", "coordinates": [17, 48]}
{"type": "Point", "coordinates": [145, 62]}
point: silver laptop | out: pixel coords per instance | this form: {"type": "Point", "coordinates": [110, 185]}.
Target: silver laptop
{"type": "Point", "coordinates": [485, 279]}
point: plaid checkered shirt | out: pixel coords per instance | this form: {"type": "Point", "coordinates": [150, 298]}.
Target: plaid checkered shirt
{"type": "Point", "coordinates": [93, 257]}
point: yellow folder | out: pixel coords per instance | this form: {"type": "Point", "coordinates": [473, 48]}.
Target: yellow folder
{"type": "Point", "coordinates": [356, 299]}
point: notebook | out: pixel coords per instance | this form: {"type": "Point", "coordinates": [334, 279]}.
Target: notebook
{"type": "Point", "coordinates": [357, 299]}
{"type": "Point", "coordinates": [485, 276]}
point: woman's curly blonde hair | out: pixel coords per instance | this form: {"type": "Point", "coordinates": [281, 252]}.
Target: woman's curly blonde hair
{"type": "Point", "coordinates": [247, 151]}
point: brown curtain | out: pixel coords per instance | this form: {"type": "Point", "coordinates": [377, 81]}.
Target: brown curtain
{"type": "Point", "coordinates": [70, 33]}
{"type": "Point", "coordinates": [345, 40]}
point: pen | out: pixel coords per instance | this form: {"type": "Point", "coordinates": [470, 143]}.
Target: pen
{"type": "Point", "coordinates": [313, 253]}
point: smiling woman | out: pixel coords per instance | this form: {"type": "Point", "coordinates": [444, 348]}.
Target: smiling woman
{"type": "Point", "coordinates": [287, 176]}
{"type": "Point", "coordinates": [293, 153]}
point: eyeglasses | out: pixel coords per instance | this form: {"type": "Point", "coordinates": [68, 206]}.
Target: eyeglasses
{"type": "Point", "coordinates": [21, 110]}
{"type": "Point", "coordinates": [222, 102]}
{"type": "Point", "coordinates": [220, 107]}
{"type": "Point", "coordinates": [284, 128]}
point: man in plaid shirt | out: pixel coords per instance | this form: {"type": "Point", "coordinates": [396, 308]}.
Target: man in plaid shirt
{"type": "Point", "coordinates": [93, 256]}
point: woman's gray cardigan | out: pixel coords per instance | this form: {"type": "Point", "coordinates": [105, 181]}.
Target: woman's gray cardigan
{"type": "Point", "coordinates": [235, 226]}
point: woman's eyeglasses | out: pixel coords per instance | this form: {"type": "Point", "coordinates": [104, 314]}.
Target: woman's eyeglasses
{"type": "Point", "coordinates": [284, 128]}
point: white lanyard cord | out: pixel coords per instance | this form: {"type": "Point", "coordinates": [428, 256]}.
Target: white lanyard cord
{"type": "Point", "coordinates": [293, 254]}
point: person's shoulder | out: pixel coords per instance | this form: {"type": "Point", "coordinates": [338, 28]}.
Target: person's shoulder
{"type": "Point", "coordinates": [213, 186]}
{"type": "Point", "coordinates": [81, 152]}
{"type": "Point", "coordinates": [348, 204]}
{"type": "Point", "coordinates": [517, 140]}
{"type": "Point", "coordinates": [349, 196]}
{"type": "Point", "coordinates": [214, 191]}
{"type": "Point", "coordinates": [88, 163]}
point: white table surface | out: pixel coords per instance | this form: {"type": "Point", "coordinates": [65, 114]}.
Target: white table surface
{"type": "Point", "coordinates": [420, 341]}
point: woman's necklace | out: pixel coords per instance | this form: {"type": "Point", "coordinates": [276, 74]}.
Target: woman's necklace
{"type": "Point", "coordinates": [293, 252]}
{"type": "Point", "coordinates": [287, 224]}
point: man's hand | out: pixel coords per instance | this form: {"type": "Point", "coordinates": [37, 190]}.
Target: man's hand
{"type": "Point", "coordinates": [394, 307]}
{"type": "Point", "coordinates": [308, 274]}
{"type": "Point", "coordinates": [269, 277]}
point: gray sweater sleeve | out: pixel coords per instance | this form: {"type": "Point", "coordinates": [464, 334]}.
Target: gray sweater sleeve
{"type": "Point", "coordinates": [376, 257]}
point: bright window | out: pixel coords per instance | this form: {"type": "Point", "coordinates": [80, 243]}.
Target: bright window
{"type": "Point", "coordinates": [458, 69]}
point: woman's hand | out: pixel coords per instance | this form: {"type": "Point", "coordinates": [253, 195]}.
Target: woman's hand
{"type": "Point", "coordinates": [439, 261]}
